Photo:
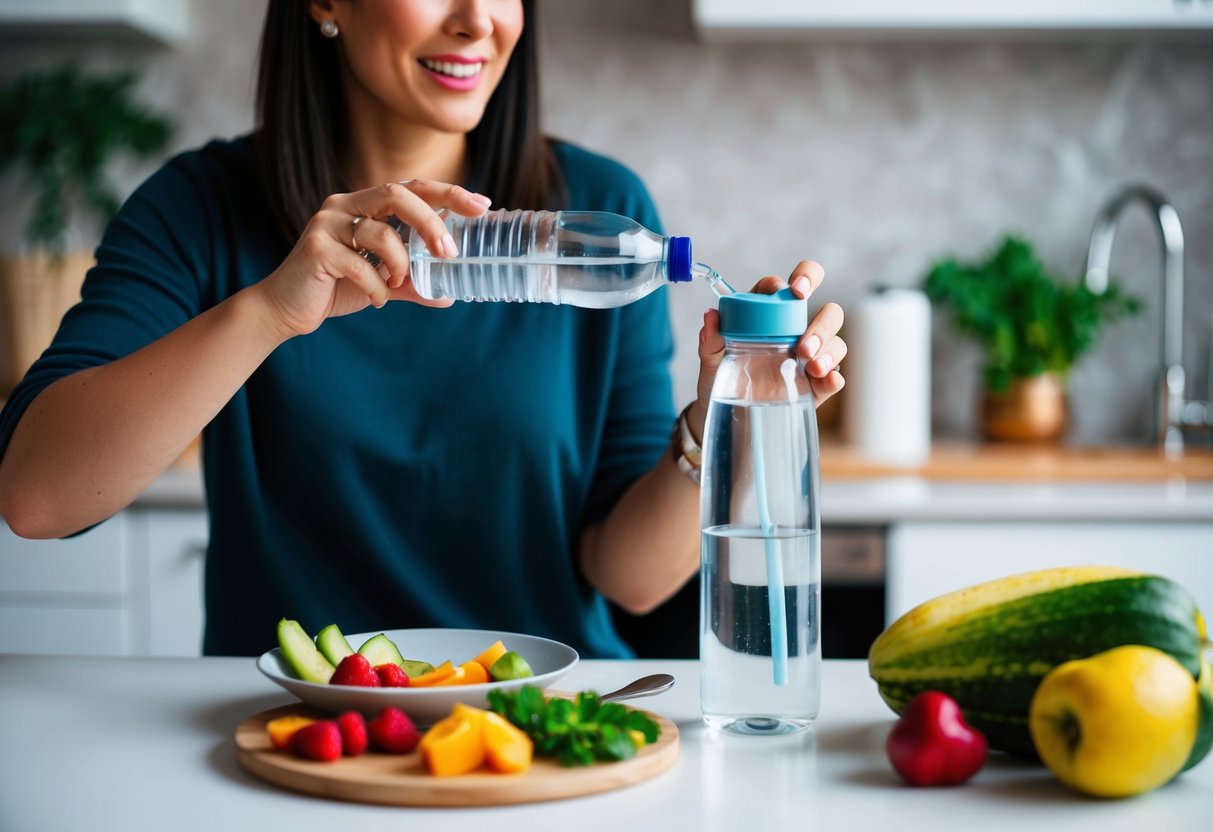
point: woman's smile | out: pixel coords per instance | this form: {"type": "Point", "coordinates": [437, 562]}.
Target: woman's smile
{"type": "Point", "coordinates": [454, 72]}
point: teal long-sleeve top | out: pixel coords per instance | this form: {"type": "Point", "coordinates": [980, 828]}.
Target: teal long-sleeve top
{"type": "Point", "coordinates": [399, 467]}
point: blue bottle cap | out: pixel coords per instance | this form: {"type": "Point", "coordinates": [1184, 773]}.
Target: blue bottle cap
{"type": "Point", "coordinates": [678, 266]}
{"type": "Point", "coordinates": [749, 316]}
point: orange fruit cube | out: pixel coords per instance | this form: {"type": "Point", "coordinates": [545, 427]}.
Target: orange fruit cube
{"type": "Point", "coordinates": [474, 673]}
{"type": "Point", "coordinates": [491, 654]}
{"type": "Point", "coordinates": [453, 746]}
{"type": "Point", "coordinates": [281, 730]}
{"type": "Point", "coordinates": [455, 678]}
{"type": "Point", "coordinates": [434, 677]}
{"type": "Point", "coordinates": [464, 711]}
{"type": "Point", "coordinates": [506, 747]}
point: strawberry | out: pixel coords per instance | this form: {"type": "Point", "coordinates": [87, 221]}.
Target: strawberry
{"type": "Point", "coordinates": [353, 733]}
{"type": "Point", "coordinates": [392, 675]}
{"type": "Point", "coordinates": [355, 669]}
{"type": "Point", "coordinates": [318, 741]}
{"type": "Point", "coordinates": [393, 731]}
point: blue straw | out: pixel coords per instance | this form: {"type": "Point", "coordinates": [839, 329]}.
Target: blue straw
{"type": "Point", "coordinates": [775, 599]}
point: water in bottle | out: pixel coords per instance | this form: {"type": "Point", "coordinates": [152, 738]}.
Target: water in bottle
{"type": "Point", "coordinates": [584, 258]}
{"type": "Point", "coordinates": [760, 622]}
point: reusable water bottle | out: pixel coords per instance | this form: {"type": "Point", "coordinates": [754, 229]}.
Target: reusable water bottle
{"type": "Point", "coordinates": [760, 614]}
{"type": "Point", "coordinates": [585, 258]}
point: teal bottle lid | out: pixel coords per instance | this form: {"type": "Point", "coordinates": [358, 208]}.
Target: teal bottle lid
{"type": "Point", "coordinates": [749, 316]}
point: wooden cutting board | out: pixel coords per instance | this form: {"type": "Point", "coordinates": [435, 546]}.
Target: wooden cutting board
{"type": "Point", "coordinates": [400, 779]}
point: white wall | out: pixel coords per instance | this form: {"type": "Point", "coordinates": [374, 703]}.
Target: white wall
{"type": "Point", "coordinates": [871, 157]}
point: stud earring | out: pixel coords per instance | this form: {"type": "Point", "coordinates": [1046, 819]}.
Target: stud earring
{"type": "Point", "coordinates": [329, 29]}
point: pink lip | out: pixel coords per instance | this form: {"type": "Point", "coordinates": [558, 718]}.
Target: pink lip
{"type": "Point", "coordinates": [455, 59]}
{"type": "Point", "coordinates": [457, 84]}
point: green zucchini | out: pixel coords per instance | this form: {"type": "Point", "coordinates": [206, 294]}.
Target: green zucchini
{"type": "Point", "coordinates": [989, 646]}
{"type": "Point", "coordinates": [1204, 731]}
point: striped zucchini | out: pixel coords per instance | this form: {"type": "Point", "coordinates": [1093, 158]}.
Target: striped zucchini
{"type": "Point", "coordinates": [988, 646]}
{"type": "Point", "coordinates": [1204, 732]}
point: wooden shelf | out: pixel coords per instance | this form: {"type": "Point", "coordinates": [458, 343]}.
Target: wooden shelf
{"type": "Point", "coordinates": [1012, 462]}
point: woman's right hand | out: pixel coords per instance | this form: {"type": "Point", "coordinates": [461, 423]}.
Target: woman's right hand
{"type": "Point", "coordinates": [324, 276]}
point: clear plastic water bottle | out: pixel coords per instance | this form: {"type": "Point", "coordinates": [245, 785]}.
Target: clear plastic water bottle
{"type": "Point", "coordinates": [760, 620]}
{"type": "Point", "coordinates": [585, 258]}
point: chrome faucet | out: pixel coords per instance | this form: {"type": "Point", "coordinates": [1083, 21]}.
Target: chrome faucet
{"type": "Point", "coordinates": [1169, 413]}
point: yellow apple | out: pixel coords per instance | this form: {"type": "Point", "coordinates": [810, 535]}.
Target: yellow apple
{"type": "Point", "coordinates": [1116, 724]}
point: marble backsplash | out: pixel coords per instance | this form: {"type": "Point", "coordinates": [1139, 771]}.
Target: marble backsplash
{"type": "Point", "coordinates": [874, 158]}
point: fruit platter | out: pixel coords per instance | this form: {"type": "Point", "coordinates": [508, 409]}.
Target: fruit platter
{"type": "Point", "coordinates": [541, 662]}
{"type": "Point", "coordinates": [440, 717]}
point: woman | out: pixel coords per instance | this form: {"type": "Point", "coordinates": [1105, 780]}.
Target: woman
{"type": "Point", "coordinates": [495, 465]}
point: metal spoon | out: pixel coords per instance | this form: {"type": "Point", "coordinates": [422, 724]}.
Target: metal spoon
{"type": "Point", "coordinates": [645, 686]}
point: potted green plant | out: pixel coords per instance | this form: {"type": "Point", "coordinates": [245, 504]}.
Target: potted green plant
{"type": "Point", "coordinates": [61, 128]}
{"type": "Point", "coordinates": [1033, 327]}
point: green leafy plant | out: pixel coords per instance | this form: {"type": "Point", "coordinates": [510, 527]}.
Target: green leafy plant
{"type": "Point", "coordinates": [62, 127]}
{"type": "Point", "coordinates": [577, 732]}
{"type": "Point", "coordinates": [1028, 321]}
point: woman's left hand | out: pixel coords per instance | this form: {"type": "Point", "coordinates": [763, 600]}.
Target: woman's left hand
{"type": "Point", "coordinates": [819, 346]}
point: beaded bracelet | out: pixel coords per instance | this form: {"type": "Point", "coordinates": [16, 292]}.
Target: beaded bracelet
{"type": "Point", "coordinates": [686, 452]}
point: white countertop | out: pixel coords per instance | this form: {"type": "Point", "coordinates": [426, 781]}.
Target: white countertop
{"type": "Point", "coordinates": [143, 744]}
{"type": "Point", "coordinates": [892, 499]}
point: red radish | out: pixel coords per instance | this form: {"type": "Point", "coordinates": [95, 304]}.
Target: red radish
{"type": "Point", "coordinates": [932, 745]}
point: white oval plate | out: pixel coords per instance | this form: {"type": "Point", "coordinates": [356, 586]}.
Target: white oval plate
{"type": "Point", "coordinates": [549, 659]}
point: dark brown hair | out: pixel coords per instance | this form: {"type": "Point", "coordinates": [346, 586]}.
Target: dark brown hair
{"type": "Point", "coordinates": [301, 122]}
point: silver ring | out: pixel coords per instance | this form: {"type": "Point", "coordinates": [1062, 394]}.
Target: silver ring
{"type": "Point", "coordinates": [366, 254]}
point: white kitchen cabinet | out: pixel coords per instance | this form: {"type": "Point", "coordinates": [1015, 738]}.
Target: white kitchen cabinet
{"type": "Point", "coordinates": [928, 558]}
{"type": "Point", "coordinates": [790, 19]}
{"type": "Point", "coordinates": [87, 568]}
{"type": "Point", "coordinates": [168, 552]}
{"type": "Point", "coordinates": [66, 596]}
{"type": "Point", "coordinates": [130, 586]}
{"type": "Point", "coordinates": [162, 22]}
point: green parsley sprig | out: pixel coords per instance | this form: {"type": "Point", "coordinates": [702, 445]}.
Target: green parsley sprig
{"type": "Point", "coordinates": [1028, 320]}
{"type": "Point", "coordinates": [577, 732]}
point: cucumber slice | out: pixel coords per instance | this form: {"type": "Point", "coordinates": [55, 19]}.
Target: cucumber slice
{"type": "Point", "coordinates": [333, 644]}
{"type": "Point", "coordinates": [413, 667]}
{"type": "Point", "coordinates": [380, 650]}
{"type": "Point", "coordinates": [301, 654]}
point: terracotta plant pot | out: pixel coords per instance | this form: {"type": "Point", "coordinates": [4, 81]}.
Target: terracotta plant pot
{"type": "Point", "coordinates": [1034, 409]}
{"type": "Point", "coordinates": [35, 291]}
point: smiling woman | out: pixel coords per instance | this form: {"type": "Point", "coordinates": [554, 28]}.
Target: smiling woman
{"type": "Point", "coordinates": [307, 119]}
{"type": "Point", "coordinates": [492, 466]}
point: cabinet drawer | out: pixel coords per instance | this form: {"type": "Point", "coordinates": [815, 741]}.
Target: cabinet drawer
{"type": "Point", "coordinates": [175, 554]}
{"type": "Point", "coordinates": [928, 559]}
{"type": "Point", "coordinates": [91, 562]}
{"type": "Point", "coordinates": [852, 555]}
{"type": "Point", "coordinates": [71, 632]}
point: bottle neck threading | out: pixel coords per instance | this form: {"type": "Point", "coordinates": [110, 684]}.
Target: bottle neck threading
{"type": "Point", "coordinates": [781, 345]}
